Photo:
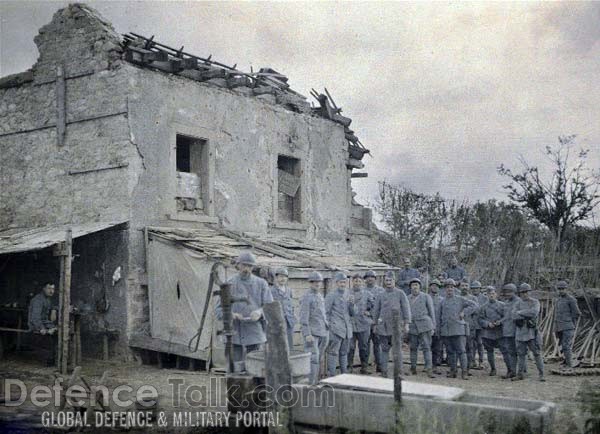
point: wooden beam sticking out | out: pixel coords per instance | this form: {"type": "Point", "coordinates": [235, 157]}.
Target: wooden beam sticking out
{"type": "Point", "coordinates": [65, 303]}
{"type": "Point", "coordinates": [61, 113]}
{"type": "Point", "coordinates": [397, 351]}
{"type": "Point", "coordinates": [359, 175]}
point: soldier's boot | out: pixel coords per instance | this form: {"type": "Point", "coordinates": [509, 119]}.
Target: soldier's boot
{"type": "Point", "coordinates": [464, 374]}
{"type": "Point", "coordinates": [518, 377]}
{"type": "Point", "coordinates": [469, 373]}
{"type": "Point", "coordinates": [429, 373]}
{"type": "Point", "coordinates": [451, 374]}
{"type": "Point", "coordinates": [413, 370]}
{"type": "Point", "coordinates": [508, 375]}
{"type": "Point", "coordinates": [363, 369]}
{"type": "Point", "coordinates": [492, 372]}
{"type": "Point", "coordinates": [436, 370]}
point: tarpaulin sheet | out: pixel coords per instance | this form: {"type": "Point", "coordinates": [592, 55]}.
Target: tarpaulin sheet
{"type": "Point", "coordinates": [178, 281]}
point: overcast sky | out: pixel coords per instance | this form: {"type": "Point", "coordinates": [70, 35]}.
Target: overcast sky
{"type": "Point", "coordinates": [441, 93]}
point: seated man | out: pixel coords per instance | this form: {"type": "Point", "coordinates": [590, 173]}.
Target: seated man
{"type": "Point", "coordinates": [39, 321]}
{"type": "Point", "coordinates": [39, 311]}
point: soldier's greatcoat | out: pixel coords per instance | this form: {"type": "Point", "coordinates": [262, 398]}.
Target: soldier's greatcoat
{"type": "Point", "coordinates": [451, 323]}
{"type": "Point", "coordinates": [313, 319]}
{"type": "Point", "coordinates": [382, 313]}
{"type": "Point", "coordinates": [339, 311]}
{"type": "Point", "coordinates": [422, 314]}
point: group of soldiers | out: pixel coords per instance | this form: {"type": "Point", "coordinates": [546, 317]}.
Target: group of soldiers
{"type": "Point", "coordinates": [461, 322]}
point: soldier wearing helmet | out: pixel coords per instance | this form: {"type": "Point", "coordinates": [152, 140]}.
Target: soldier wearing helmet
{"type": "Point", "coordinates": [525, 313]}
{"type": "Point", "coordinates": [313, 321]}
{"type": "Point", "coordinates": [249, 293]}
{"type": "Point", "coordinates": [507, 343]}
{"type": "Point", "coordinates": [436, 339]}
{"type": "Point", "coordinates": [375, 290]}
{"type": "Point", "coordinates": [391, 298]}
{"type": "Point", "coordinates": [421, 327]}
{"type": "Point", "coordinates": [476, 344]}
{"type": "Point", "coordinates": [339, 307]}
{"type": "Point", "coordinates": [453, 328]}
{"type": "Point", "coordinates": [282, 292]}
{"type": "Point", "coordinates": [566, 314]}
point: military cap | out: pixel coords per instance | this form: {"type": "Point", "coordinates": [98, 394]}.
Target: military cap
{"type": "Point", "coordinates": [562, 285]}
{"type": "Point", "coordinates": [370, 273]}
{"type": "Point", "coordinates": [449, 282]}
{"type": "Point", "coordinates": [390, 275]}
{"type": "Point", "coordinates": [315, 276]}
{"type": "Point", "coordinates": [510, 287]}
{"type": "Point", "coordinates": [475, 284]}
{"type": "Point", "coordinates": [357, 276]}
{"type": "Point", "coordinates": [282, 271]}
{"type": "Point", "coordinates": [246, 258]}
{"type": "Point", "coordinates": [435, 282]}
{"type": "Point", "coordinates": [490, 288]}
{"type": "Point", "coordinates": [524, 287]}
{"type": "Point", "coordinates": [415, 280]}
{"type": "Point", "coordinates": [340, 276]}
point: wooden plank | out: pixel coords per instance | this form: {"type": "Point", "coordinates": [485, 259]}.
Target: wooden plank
{"type": "Point", "coordinates": [65, 294]}
{"type": "Point", "coordinates": [397, 350]}
{"type": "Point", "coordinates": [61, 112]}
{"type": "Point", "coordinates": [160, 345]}
{"type": "Point", "coordinates": [288, 184]}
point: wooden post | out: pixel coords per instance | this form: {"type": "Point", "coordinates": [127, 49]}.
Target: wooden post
{"type": "Point", "coordinates": [397, 351]}
{"type": "Point", "coordinates": [277, 364]}
{"type": "Point", "coordinates": [61, 112]}
{"type": "Point", "coordinates": [65, 302]}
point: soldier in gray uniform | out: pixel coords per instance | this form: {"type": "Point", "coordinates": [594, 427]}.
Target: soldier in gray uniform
{"type": "Point", "coordinates": [525, 313]}
{"type": "Point", "coordinates": [453, 327]}
{"type": "Point", "coordinates": [391, 298]}
{"type": "Point", "coordinates": [490, 320]}
{"type": "Point", "coordinates": [370, 279]}
{"type": "Point", "coordinates": [249, 294]}
{"type": "Point", "coordinates": [361, 323]}
{"type": "Point", "coordinates": [339, 307]}
{"type": "Point", "coordinates": [282, 293]}
{"type": "Point", "coordinates": [469, 347]}
{"type": "Point", "coordinates": [39, 311]}
{"type": "Point", "coordinates": [566, 315]}
{"type": "Point", "coordinates": [313, 321]}
{"type": "Point", "coordinates": [422, 325]}
{"type": "Point", "coordinates": [507, 343]}
{"type": "Point", "coordinates": [405, 275]}
{"type": "Point", "coordinates": [436, 339]}
{"type": "Point", "coordinates": [476, 340]}
{"type": "Point", "coordinates": [455, 271]}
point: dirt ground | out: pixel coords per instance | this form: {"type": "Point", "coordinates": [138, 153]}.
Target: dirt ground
{"type": "Point", "coordinates": [558, 389]}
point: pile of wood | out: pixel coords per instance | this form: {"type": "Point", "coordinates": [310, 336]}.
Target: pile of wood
{"type": "Point", "coordinates": [586, 345]}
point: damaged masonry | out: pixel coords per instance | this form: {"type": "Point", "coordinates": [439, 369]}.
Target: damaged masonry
{"type": "Point", "coordinates": [160, 163]}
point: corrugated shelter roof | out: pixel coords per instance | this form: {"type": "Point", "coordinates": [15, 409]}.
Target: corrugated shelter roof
{"type": "Point", "coordinates": [270, 250]}
{"type": "Point", "coordinates": [28, 239]}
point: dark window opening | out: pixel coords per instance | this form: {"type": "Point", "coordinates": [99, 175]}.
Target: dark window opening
{"type": "Point", "coordinates": [178, 292]}
{"type": "Point", "coordinates": [289, 182]}
{"type": "Point", "coordinates": [192, 173]}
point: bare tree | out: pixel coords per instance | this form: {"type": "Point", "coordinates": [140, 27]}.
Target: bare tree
{"type": "Point", "coordinates": [570, 194]}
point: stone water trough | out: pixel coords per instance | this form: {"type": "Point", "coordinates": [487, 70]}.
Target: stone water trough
{"type": "Point", "coordinates": [361, 403]}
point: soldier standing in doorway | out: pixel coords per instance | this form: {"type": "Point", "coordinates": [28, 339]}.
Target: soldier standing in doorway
{"type": "Point", "coordinates": [525, 313]}
{"type": "Point", "coordinates": [313, 321]}
{"type": "Point", "coordinates": [282, 293]}
{"type": "Point", "coordinates": [339, 307]}
{"type": "Point", "coordinates": [566, 315]}
{"type": "Point", "coordinates": [391, 298]}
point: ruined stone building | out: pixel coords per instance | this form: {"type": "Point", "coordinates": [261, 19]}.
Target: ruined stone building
{"type": "Point", "coordinates": [146, 153]}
